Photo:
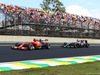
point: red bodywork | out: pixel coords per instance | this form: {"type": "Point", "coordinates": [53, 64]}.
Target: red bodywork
{"type": "Point", "coordinates": [35, 43]}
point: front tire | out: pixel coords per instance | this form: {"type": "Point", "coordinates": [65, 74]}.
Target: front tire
{"type": "Point", "coordinates": [64, 45]}
{"type": "Point", "coordinates": [30, 47]}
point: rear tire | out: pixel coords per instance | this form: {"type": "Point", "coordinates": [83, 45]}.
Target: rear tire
{"type": "Point", "coordinates": [77, 46]}
{"type": "Point", "coordinates": [47, 46]}
{"type": "Point", "coordinates": [35, 46]}
{"type": "Point", "coordinates": [87, 45]}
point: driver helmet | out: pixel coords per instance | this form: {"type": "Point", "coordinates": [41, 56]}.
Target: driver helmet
{"type": "Point", "coordinates": [34, 39]}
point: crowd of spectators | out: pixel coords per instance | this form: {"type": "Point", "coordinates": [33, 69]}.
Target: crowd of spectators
{"type": "Point", "coordinates": [17, 14]}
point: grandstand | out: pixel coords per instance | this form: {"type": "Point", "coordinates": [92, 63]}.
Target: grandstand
{"type": "Point", "coordinates": [16, 20]}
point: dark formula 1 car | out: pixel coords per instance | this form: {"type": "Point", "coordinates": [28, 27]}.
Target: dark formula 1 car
{"type": "Point", "coordinates": [35, 44]}
{"type": "Point", "coordinates": [78, 44]}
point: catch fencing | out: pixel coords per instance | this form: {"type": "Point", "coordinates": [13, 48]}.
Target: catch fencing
{"type": "Point", "coordinates": [16, 25]}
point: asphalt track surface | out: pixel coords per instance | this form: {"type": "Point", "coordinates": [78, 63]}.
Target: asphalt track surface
{"type": "Point", "coordinates": [8, 55]}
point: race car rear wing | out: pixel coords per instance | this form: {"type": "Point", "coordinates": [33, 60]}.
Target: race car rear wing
{"type": "Point", "coordinates": [40, 39]}
{"type": "Point", "coordinates": [44, 39]}
{"type": "Point", "coordinates": [82, 41]}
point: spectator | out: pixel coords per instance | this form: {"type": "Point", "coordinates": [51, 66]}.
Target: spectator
{"type": "Point", "coordinates": [25, 14]}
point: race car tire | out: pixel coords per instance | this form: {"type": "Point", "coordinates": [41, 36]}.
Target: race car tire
{"type": "Point", "coordinates": [64, 45]}
{"type": "Point", "coordinates": [87, 45]}
{"type": "Point", "coordinates": [35, 46]}
{"type": "Point", "coordinates": [77, 46]}
{"type": "Point", "coordinates": [30, 47]}
{"type": "Point", "coordinates": [47, 46]}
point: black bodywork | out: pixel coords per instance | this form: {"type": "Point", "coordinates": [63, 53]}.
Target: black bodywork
{"type": "Point", "coordinates": [80, 44]}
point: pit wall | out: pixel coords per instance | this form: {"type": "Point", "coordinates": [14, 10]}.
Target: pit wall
{"type": "Point", "coordinates": [6, 38]}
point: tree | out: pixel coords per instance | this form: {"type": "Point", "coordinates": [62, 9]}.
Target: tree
{"type": "Point", "coordinates": [53, 5]}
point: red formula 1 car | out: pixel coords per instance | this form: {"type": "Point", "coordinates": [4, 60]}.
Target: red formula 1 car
{"type": "Point", "coordinates": [35, 44]}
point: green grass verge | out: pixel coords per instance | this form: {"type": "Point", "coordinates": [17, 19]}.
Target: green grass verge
{"type": "Point", "coordinates": [6, 44]}
{"type": "Point", "coordinates": [91, 68]}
